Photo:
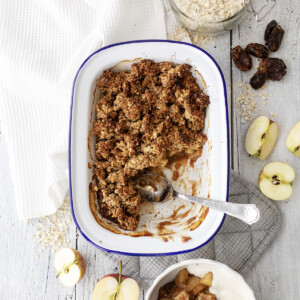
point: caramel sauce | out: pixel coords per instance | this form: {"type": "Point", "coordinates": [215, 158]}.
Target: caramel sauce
{"type": "Point", "coordinates": [185, 214]}
{"type": "Point", "coordinates": [171, 238]}
{"type": "Point", "coordinates": [126, 61]}
{"type": "Point", "coordinates": [189, 221]}
{"type": "Point", "coordinates": [90, 133]}
{"type": "Point", "coordinates": [177, 166]}
{"type": "Point", "coordinates": [174, 215]}
{"type": "Point", "coordinates": [183, 183]}
{"type": "Point", "coordinates": [194, 188]}
{"type": "Point", "coordinates": [203, 213]}
{"type": "Point", "coordinates": [180, 158]}
{"type": "Point", "coordinates": [192, 162]}
{"type": "Point", "coordinates": [152, 183]}
{"type": "Point", "coordinates": [120, 62]}
{"type": "Point", "coordinates": [158, 171]}
{"type": "Point", "coordinates": [166, 223]}
{"type": "Point", "coordinates": [202, 79]}
{"type": "Point", "coordinates": [175, 175]}
{"type": "Point", "coordinates": [162, 227]}
{"type": "Point", "coordinates": [185, 239]}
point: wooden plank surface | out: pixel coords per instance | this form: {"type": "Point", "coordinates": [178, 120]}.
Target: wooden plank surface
{"type": "Point", "coordinates": [28, 274]}
{"type": "Point", "coordinates": [277, 274]}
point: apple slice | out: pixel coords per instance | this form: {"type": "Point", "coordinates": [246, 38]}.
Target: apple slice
{"type": "Point", "coordinates": [70, 266]}
{"type": "Point", "coordinates": [275, 180]}
{"type": "Point", "coordinates": [293, 139]}
{"type": "Point", "coordinates": [116, 287]}
{"type": "Point", "coordinates": [261, 137]}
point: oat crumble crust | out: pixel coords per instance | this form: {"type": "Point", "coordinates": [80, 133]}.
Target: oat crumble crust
{"type": "Point", "coordinates": [143, 117]}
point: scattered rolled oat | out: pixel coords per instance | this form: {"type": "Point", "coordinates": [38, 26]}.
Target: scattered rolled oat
{"type": "Point", "coordinates": [246, 104]}
{"type": "Point", "coordinates": [274, 115]}
{"type": "Point", "coordinates": [248, 99]}
{"type": "Point", "coordinates": [197, 38]}
{"type": "Point", "coordinates": [180, 34]}
{"type": "Point", "coordinates": [53, 230]}
{"type": "Point", "coordinates": [201, 39]}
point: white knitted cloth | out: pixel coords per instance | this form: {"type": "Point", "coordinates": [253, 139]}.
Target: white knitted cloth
{"type": "Point", "coordinates": [42, 45]}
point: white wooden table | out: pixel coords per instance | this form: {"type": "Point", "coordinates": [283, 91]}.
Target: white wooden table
{"type": "Point", "coordinates": [26, 275]}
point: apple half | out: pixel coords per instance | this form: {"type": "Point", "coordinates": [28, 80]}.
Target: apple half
{"type": "Point", "coordinates": [261, 137]}
{"type": "Point", "coordinates": [70, 266]}
{"type": "Point", "coordinates": [116, 287]}
{"type": "Point", "coordinates": [293, 139]}
{"type": "Point", "coordinates": [276, 179]}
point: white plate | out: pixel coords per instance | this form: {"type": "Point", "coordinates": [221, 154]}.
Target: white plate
{"type": "Point", "coordinates": [227, 284]}
{"type": "Point", "coordinates": [211, 171]}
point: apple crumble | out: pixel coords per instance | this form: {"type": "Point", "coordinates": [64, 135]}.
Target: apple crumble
{"type": "Point", "coordinates": [188, 287]}
{"type": "Point", "coordinates": [143, 117]}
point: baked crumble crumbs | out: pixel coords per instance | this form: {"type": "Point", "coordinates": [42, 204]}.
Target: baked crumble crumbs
{"type": "Point", "coordinates": [143, 117]}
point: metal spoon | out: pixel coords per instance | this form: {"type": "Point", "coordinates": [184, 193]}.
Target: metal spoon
{"type": "Point", "coordinates": [156, 188]}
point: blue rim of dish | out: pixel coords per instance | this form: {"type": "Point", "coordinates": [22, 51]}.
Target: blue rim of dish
{"type": "Point", "coordinates": [70, 131]}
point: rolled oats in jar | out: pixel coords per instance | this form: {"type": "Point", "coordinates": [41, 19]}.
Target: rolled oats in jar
{"type": "Point", "coordinates": [215, 16]}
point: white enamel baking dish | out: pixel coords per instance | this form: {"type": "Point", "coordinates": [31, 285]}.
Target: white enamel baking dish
{"type": "Point", "coordinates": [213, 167]}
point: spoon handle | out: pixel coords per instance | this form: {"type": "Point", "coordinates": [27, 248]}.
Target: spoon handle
{"type": "Point", "coordinates": [247, 213]}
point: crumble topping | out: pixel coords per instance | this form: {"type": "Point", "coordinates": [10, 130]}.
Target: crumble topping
{"type": "Point", "coordinates": [143, 117]}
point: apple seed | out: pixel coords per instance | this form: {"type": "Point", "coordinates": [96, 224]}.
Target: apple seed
{"type": "Point", "coordinates": [275, 181]}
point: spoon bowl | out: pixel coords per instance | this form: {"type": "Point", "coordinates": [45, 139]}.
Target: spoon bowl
{"type": "Point", "coordinates": [154, 188]}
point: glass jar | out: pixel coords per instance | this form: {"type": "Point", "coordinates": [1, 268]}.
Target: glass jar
{"type": "Point", "coordinates": [216, 16]}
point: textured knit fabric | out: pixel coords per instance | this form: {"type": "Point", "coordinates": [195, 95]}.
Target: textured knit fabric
{"type": "Point", "coordinates": [237, 244]}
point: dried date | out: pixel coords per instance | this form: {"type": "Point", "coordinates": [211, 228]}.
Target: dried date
{"type": "Point", "coordinates": [273, 36]}
{"type": "Point", "coordinates": [241, 59]}
{"type": "Point", "coordinates": [258, 79]}
{"type": "Point", "coordinates": [269, 29]}
{"type": "Point", "coordinates": [257, 50]}
{"type": "Point", "coordinates": [274, 67]}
